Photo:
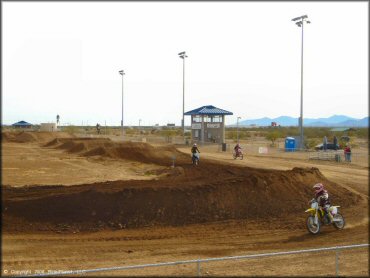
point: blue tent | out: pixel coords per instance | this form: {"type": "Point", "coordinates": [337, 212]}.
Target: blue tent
{"type": "Point", "coordinates": [22, 124]}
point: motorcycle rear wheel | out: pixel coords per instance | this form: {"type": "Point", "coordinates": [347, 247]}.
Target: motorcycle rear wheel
{"type": "Point", "coordinates": [340, 223]}
{"type": "Point", "coordinates": [311, 226]}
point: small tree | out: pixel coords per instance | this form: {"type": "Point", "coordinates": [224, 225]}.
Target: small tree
{"type": "Point", "coordinates": [168, 134]}
{"type": "Point", "coordinates": [272, 136]}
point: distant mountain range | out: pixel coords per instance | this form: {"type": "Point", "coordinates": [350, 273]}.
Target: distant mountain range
{"type": "Point", "coordinates": [333, 121]}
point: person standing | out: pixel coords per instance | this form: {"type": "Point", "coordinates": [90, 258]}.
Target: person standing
{"type": "Point", "coordinates": [335, 142]}
{"type": "Point", "coordinates": [325, 143]}
{"type": "Point", "coordinates": [347, 153]}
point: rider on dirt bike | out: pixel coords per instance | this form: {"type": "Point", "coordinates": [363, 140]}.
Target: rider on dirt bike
{"type": "Point", "coordinates": [194, 150]}
{"type": "Point", "coordinates": [238, 151]}
{"type": "Point", "coordinates": [322, 197]}
{"type": "Point", "coordinates": [237, 148]}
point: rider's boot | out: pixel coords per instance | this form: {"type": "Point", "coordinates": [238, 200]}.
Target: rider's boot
{"type": "Point", "coordinates": [330, 216]}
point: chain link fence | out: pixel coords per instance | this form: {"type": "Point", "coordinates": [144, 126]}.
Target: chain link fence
{"type": "Point", "coordinates": [312, 261]}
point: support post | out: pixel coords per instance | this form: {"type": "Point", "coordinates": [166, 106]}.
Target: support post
{"type": "Point", "coordinates": [301, 118]}
{"type": "Point", "coordinates": [337, 263]}
{"type": "Point", "coordinates": [198, 268]}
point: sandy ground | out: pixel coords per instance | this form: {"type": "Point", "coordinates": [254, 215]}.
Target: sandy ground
{"type": "Point", "coordinates": [25, 164]}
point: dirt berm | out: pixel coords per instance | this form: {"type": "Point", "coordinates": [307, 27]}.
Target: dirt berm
{"type": "Point", "coordinates": [209, 192]}
{"type": "Point", "coordinates": [106, 148]}
{"type": "Point", "coordinates": [32, 136]}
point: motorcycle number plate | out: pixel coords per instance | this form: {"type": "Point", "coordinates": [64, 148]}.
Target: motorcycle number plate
{"type": "Point", "coordinates": [333, 210]}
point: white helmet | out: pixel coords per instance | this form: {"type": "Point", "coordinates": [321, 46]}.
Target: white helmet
{"type": "Point", "coordinates": [195, 144]}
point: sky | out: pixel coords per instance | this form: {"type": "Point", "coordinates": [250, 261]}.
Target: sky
{"type": "Point", "coordinates": [244, 57]}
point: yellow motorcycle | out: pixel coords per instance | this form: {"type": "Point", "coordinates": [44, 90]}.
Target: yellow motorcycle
{"type": "Point", "coordinates": [318, 217]}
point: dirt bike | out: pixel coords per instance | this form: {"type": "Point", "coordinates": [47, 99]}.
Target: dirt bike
{"type": "Point", "coordinates": [238, 153]}
{"type": "Point", "coordinates": [195, 158]}
{"type": "Point", "coordinates": [318, 217]}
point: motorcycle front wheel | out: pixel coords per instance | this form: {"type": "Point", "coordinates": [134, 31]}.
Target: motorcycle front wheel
{"type": "Point", "coordinates": [338, 221]}
{"type": "Point", "coordinates": [311, 226]}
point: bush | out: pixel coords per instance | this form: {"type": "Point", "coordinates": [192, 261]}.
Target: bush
{"type": "Point", "coordinates": [168, 134]}
{"type": "Point", "coordinates": [311, 143]}
{"type": "Point", "coordinates": [233, 134]}
{"type": "Point", "coordinates": [362, 133]}
{"type": "Point", "coordinates": [70, 129]}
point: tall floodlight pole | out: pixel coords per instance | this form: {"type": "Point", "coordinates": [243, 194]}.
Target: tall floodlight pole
{"type": "Point", "coordinates": [183, 55]}
{"type": "Point", "coordinates": [300, 22]}
{"type": "Point", "coordinates": [121, 72]}
{"type": "Point", "coordinates": [237, 129]}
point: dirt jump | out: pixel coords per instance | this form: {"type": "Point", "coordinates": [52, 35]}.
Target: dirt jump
{"type": "Point", "coordinates": [184, 195]}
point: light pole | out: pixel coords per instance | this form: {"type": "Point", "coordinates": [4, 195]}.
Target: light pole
{"type": "Point", "coordinates": [183, 55]}
{"type": "Point", "coordinates": [237, 129]}
{"type": "Point", "coordinates": [300, 22]}
{"type": "Point", "coordinates": [121, 72]}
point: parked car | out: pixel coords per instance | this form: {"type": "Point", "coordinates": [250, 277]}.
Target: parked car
{"type": "Point", "coordinates": [329, 146]}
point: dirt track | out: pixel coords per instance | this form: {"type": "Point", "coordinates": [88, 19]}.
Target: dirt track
{"type": "Point", "coordinates": [221, 208]}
